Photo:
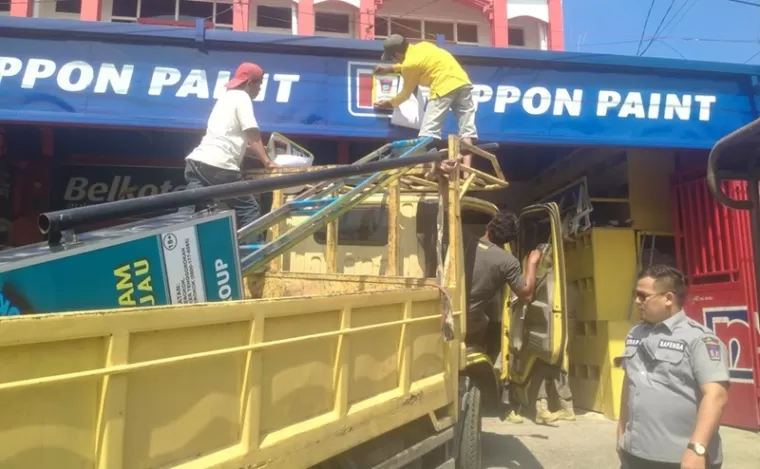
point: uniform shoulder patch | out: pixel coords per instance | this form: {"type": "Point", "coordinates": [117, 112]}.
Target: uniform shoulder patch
{"type": "Point", "coordinates": [713, 351]}
{"type": "Point", "coordinates": [712, 345]}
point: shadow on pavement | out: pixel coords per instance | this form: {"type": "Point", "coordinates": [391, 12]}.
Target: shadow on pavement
{"type": "Point", "coordinates": [508, 452]}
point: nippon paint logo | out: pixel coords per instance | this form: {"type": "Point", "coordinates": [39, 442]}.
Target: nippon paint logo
{"type": "Point", "coordinates": [360, 80]}
{"type": "Point", "coordinates": [541, 100]}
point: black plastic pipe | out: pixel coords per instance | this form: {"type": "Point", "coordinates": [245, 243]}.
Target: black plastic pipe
{"type": "Point", "coordinates": [54, 222]}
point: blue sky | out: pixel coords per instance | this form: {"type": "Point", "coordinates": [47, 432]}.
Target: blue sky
{"type": "Point", "coordinates": [711, 30]}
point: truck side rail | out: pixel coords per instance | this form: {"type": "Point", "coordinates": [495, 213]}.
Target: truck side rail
{"type": "Point", "coordinates": [220, 385]}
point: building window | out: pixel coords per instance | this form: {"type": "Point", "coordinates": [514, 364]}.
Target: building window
{"type": "Point", "coordinates": [454, 32]}
{"type": "Point", "coordinates": [68, 6]}
{"type": "Point", "coordinates": [274, 17]}
{"type": "Point", "coordinates": [467, 33]}
{"type": "Point", "coordinates": [435, 28]}
{"type": "Point", "coordinates": [334, 23]}
{"type": "Point", "coordinates": [128, 11]}
{"type": "Point", "coordinates": [517, 37]}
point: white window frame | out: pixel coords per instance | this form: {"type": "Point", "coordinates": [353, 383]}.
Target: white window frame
{"type": "Point", "coordinates": [217, 7]}
{"type": "Point", "coordinates": [260, 29]}
{"type": "Point", "coordinates": [47, 9]}
{"type": "Point", "coordinates": [390, 18]}
{"type": "Point", "coordinates": [350, 17]}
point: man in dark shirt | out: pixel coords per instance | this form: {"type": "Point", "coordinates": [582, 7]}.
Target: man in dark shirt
{"type": "Point", "coordinates": [488, 267]}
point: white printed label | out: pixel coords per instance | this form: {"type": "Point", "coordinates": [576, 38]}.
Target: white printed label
{"type": "Point", "coordinates": [182, 260]}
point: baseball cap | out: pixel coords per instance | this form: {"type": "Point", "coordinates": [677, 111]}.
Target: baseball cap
{"type": "Point", "coordinates": [246, 71]}
{"type": "Point", "coordinates": [392, 44]}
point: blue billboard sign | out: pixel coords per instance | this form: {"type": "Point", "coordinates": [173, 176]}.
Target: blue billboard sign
{"type": "Point", "coordinates": [118, 81]}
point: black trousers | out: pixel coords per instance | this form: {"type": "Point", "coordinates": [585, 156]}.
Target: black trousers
{"type": "Point", "coordinates": [629, 461]}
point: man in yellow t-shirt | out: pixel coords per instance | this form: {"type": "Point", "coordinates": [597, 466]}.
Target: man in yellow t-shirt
{"type": "Point", "coordinates": [450, 88]}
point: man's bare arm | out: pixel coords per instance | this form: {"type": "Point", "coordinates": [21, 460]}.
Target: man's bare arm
{"type": "Point", "coordinates": [256, 146]}
{"type": "Point", "coordinates": [714, 399]}
{"type": "Point", "coordinates": [411, 80]}
{"type": "Point", "coordinates": [527, 290]}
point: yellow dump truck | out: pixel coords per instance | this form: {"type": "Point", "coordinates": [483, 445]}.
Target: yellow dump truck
{"type": "Point", "coordinates": [334, 359]}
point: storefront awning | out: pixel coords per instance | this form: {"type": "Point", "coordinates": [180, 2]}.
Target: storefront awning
{"type": "Point", "coordinates": [123, 75]}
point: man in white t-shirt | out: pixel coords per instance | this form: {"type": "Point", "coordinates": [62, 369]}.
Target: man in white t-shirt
{"type": "Point", "coordinates": [232, 129]}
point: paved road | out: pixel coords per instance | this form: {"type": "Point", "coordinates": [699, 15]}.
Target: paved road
{"type": "Point", "coordinates": [589, 442]}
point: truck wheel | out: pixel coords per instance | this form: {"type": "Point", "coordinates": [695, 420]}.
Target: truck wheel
{"type": "Point", "coordinates": [470, 453]}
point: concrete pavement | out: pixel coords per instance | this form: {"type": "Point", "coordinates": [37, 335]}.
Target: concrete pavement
{"type": "Point", "coordinates": [589, 442]}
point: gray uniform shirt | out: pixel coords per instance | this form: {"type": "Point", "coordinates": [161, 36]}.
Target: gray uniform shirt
{"type": "Point", "coordinates": [665, 364]}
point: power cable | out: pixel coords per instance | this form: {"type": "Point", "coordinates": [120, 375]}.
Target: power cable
{"type": "Point", "coordinates": [657, 31]}
{"type": "Point", "coordinates": [644, 29]}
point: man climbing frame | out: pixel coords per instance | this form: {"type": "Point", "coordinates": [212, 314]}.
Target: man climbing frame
{"type": "Point", "coordinates": [232, 129]}
{"type": "Point", "coordinates": [450, 88]}
{"type": "Point", "coordinates": [489, 267]}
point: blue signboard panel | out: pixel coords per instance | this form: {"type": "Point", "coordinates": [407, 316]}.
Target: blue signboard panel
{"type": "Point", "coordinates": [111, 78]}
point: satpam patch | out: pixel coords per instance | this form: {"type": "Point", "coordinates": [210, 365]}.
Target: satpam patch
{"type": "Point", "coordinates": [713, 351]}
{"type": "Point", "coordinates": [632, 341]}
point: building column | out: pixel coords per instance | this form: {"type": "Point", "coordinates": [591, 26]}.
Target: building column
{"type": "Point", "coordinates": [556, 28]}
{"type": "Point", "coordinates": [499, 24]}
{"type": "Point", "coordinates": [366, 24]}
{"type": "Point", "coordinates": [91, 10]}
{"type": "Point", "coordinates": [241, 14]}
{"type": "Point", "coordinates": [23, 8]}
{"type": "Point", "coordinates": [305, 17]}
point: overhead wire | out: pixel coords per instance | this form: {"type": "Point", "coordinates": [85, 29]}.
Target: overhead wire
{"type": "Point", "coordinates": [672, 23]}
{"type": "Point", "coordinates": [644, 29]}
{"type": "Point", "coordinates": [656, 31]}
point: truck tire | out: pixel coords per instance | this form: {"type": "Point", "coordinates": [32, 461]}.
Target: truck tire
{"type": "Point", "coordinates": [470, 452]}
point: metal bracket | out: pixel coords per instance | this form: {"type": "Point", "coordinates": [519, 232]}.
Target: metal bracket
{"type": "Point", "coordinates": [200, 34]}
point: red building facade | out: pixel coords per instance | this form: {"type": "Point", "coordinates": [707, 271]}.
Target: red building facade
{"type": "Point", "coordinates": [532, 24]}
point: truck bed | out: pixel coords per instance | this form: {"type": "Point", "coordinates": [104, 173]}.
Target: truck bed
{"type": "Point", "coordinates": [304, 372]}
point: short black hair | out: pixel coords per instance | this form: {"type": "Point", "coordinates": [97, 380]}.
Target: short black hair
{"type": "Point", "coordinates": [503, 228]}
{"type": "Point", "coordinates": [667, 279]}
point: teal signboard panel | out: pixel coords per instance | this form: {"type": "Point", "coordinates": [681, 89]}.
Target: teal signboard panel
{"type": "Point", "coordinates": [174, 259]}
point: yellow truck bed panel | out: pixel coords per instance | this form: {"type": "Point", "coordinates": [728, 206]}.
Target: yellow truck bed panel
{"type": "Point", "coordinates": [282, 383]}
{"type": "Point", "coordinates": [290, 284]}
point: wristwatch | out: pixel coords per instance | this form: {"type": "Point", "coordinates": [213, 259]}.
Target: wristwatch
{"type": "Point", "coordinates": [697, 448]}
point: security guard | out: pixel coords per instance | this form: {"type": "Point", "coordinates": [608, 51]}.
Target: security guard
{"type": "Point", "coordinates": [676, 382]}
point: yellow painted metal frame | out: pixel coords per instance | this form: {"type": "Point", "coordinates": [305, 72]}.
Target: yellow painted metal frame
{"type": "Point", "coordinates": [559, 305]}
{"type": "Point", "coordinates": [90, 388]}
{"type": "Point", "coordinates": [292, 446]}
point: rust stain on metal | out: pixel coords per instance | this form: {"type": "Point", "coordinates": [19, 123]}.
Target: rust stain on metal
{"type": "Point", "coordinates": [344, 430]}
{"type": "Point", "coordinates": [412, 399]}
